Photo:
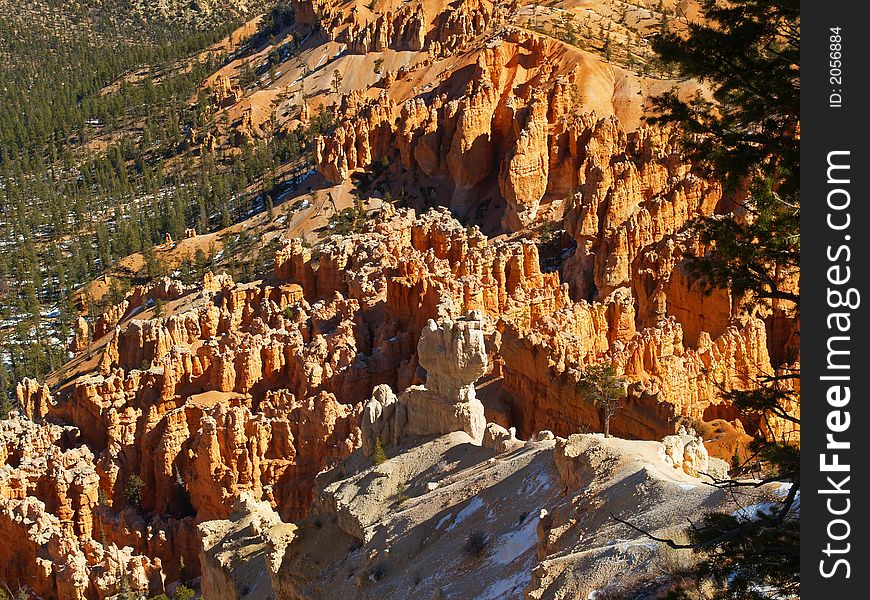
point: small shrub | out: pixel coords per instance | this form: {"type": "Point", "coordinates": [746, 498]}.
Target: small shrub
{"type": "Point", "coordinates": [379, 457]}
{"type": "Point", "coordinates": [441, 467]}
{"type": "Point", "coordinates": [291, 311]}
{"type": "Point", "coordinates": [476, 543]}
{"type": "Point", "coordinates": [125, 592]}
{"type": "Point", "coordinates": [133, 490]}
{"type": "Point", "coordinates": [6, 407]}
{"type": "Point", "coordinates": [183, 592]}
{"type": "Point", "coordinates": [736, 463]}
{"type": "Point", "coordinates": [402, 496]}
{"type": "Point", "coordinates": [672, 562]}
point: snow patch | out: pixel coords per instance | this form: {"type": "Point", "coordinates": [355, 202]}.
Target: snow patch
{"type": "Point", "coordinates": [473, 506]}
{"type": "Point", "coordinates": [750, 512]}
{"type": "Point", "coordinates": [514, 544]}
{"type": "Point", "coordinates": [796, 506]}
{"type": "Point", "coordinates": [772, 508]}
{"type": "Point", "coordinates": [782, 489]}
{"type": "Point", "coordinates": [538, 481]}
{"type": "Point", "coordinates": [508, 587]}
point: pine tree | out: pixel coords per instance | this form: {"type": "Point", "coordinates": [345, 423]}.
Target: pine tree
{"type": "Point", "coordinates": [133, 490]}
{"type": "Point", "coordinates": [182, 592]}
{"type": "Point", "coordinates": [747, 135]}
{"type": "Point", "coordinates": [6, 403]}
{"type": "Point", "coordinates": [378, 455]}
{"type": "Point", "coordinates": [605, 390]}
{"type": "Point", "coordinates": [336, 81]}
{"type": "Point", "coordinates": [747, 51]}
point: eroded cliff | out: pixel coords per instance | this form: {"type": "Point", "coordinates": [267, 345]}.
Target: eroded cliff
{"type": "Point", "coordinates": [244, 406]}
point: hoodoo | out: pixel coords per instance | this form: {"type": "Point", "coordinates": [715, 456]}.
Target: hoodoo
{"type": "Point", "coordinates": [307, 300]}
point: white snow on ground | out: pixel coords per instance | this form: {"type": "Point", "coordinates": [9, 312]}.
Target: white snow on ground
{"type": "Point", "coordinates": [688, 486]}
{"type": "Point", "coordinates": [473, 506]}
{"type": "Point", "coordinates": [640, 543]}
{"type": "Point", "coordinates": [443, 520]}
{"type": "Point", "coordinates": [508, 587]}
{"type": "Point", "coordinates": [512, 545]}
{"type": "Point", "coordinates": [751, 512]}
{"type": "Point", "coordinates": [782, 490]}
{"type": "Point", "coordinates": [796, 506]}
{"type": "Point", "coordinates": [770, 508]}
{"type": "Point", "coordinates": [536, 482]}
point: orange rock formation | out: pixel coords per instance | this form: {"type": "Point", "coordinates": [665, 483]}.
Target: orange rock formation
{"type": "Point", "coordinates": [256, 388]}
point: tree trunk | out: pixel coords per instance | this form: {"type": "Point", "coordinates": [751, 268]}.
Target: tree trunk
{"type": "Point", "coordinates": [605, 417]}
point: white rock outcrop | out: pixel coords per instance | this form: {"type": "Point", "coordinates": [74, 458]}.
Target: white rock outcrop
{"type": "Point", "coordinates": [685, 450]}
{"type": "Point", "coordinates": [239, 554]}
{"type": "Point", "coordinates": [454, 356]}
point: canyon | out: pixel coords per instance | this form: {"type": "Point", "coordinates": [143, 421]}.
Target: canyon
{"type": "Point", "coordinates": [450, 330]}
